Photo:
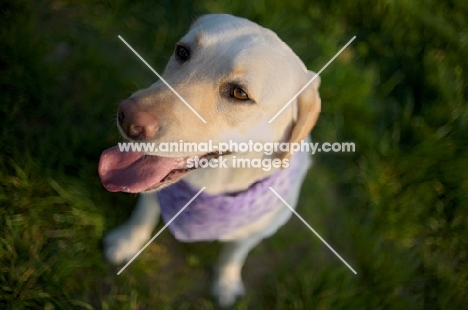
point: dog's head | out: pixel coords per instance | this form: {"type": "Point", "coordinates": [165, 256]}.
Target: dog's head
{"type": "Point", "coordinates": [233, 73]}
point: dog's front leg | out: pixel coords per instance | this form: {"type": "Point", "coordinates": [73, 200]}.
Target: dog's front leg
{"type": "Point", "coordinates": [228, 286]}
{"type": "Point", "coordinates": [123, 242]}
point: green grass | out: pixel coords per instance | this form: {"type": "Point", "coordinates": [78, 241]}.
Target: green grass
{"type": "Point", "coordinates": [396, 209]}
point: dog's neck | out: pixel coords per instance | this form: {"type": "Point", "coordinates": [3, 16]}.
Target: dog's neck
{"type": "Point", "coordinates": [234, 179]}
{"type": "Point", "coordinates": [231, 179]}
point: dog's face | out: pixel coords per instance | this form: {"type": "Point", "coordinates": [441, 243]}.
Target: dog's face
{"type": "Point", "coordinates": [236, 75]}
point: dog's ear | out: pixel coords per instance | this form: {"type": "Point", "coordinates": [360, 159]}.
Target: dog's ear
{"type": "Point", "coordinates": [308, 103]}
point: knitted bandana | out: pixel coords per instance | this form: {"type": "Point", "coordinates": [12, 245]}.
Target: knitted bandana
{"type": "Point", "coordinates": [210, 217]}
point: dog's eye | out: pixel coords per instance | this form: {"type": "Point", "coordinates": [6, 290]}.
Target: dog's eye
{"type": "Point", "coordinates": [182, 53]}
{"type": "Point", "coordinates": [238, 93]}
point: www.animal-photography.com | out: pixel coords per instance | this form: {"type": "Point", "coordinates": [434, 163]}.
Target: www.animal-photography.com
{"type": "Point", "coordinates": [233, 155]}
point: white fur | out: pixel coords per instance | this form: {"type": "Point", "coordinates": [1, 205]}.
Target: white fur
{"type": "Point", "coordinates": [274, 74]}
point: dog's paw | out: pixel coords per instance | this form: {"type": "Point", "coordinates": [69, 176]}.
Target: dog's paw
{"type": "Point", "coordinates": [227, 292]}
{"type": "Point", "coordinates": [122, 243]}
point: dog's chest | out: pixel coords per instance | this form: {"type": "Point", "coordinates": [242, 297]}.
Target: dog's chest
{"type": "Point", "coordinates": [209, 217]}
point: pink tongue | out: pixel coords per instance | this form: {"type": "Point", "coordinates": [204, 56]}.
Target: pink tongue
{"type": "Point", "coordinates": [133, 172]}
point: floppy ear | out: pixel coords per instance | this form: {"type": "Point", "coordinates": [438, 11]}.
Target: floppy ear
{"type": "Point", "coordinates": [308, 103]}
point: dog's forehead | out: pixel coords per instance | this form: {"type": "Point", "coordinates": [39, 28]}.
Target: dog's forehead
{"type": "Point", "coordinates": [229, 47]}
{"type": "Point", "coordinates": [240, 42]}
{"type": "Point", "coordinates": [212, 23]}
{"type": "Point", "coordinates": [231, 32]}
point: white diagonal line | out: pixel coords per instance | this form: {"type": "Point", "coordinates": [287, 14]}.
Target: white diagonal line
{"type": "Point", "coordinates": [164, 81]}
{"type": "Point", "coordinates": [321, 239]}
{"type": "Point", "coordinates": [160, 231]}
{"type": "Point", "coordinates": [311, 80]}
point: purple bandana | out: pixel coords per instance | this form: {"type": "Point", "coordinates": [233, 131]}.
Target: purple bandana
{"type": "Point", "coordinates": [210, 217]}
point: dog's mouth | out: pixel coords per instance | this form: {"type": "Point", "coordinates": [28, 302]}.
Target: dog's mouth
{"type": "Point", "coordinates": [136, 172]}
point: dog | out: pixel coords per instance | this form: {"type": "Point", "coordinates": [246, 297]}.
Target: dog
{"type": "Point", "coordinates": [237, 76]}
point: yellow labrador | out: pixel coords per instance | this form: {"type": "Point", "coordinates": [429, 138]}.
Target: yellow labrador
{"type": "Point", "coordinates": [237, 75]}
